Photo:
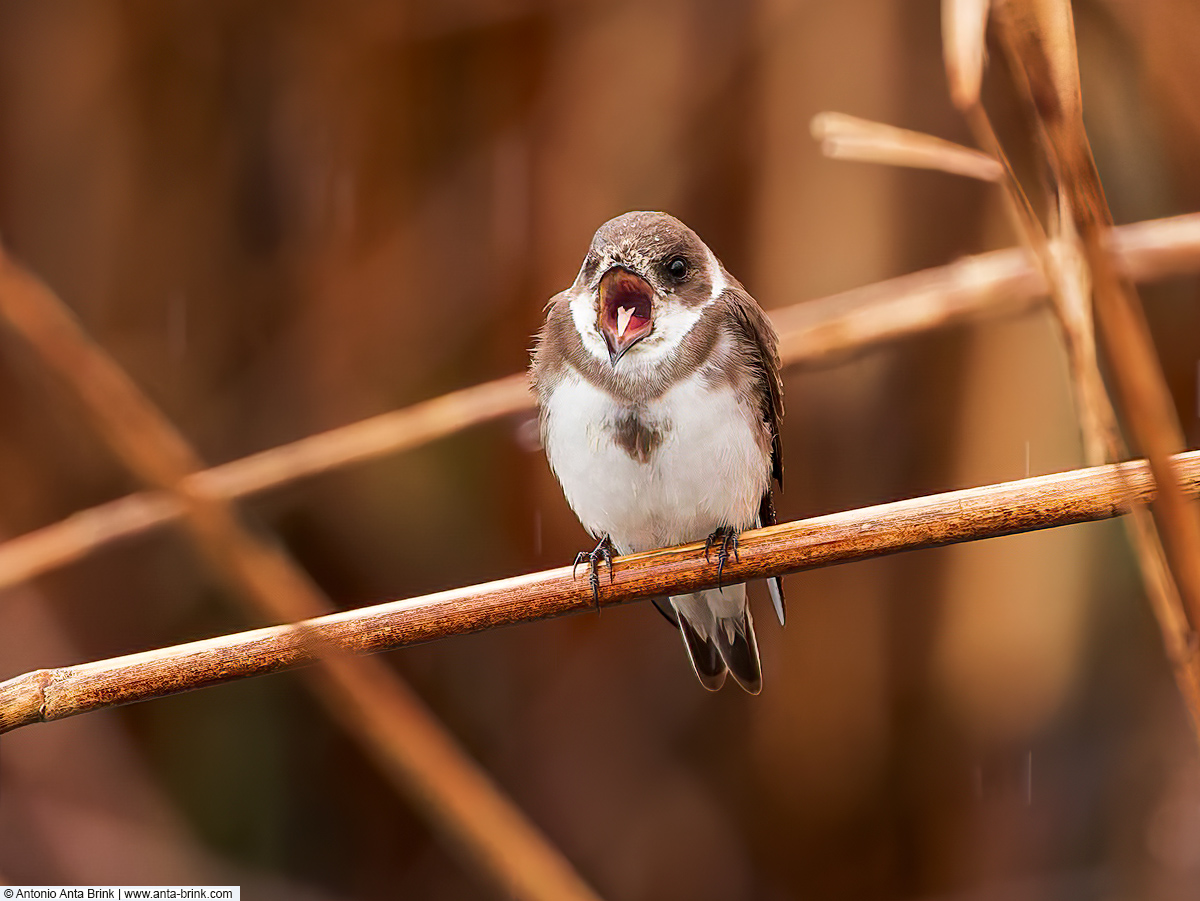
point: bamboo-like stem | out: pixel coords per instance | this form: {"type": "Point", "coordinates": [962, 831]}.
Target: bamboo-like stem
{"type": "Point", "coordinates": [1042, 502]}
{"type": "Point", "coordinates": [366, 697]}
{"type": "Point", "coordinates": [811, 333]}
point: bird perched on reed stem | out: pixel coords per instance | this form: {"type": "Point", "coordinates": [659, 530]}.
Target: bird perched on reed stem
{"type": "Point", "coordinates": [657, 378]}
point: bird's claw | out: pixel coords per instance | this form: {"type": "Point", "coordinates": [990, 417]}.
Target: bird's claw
{"type": "Point", "coordinates": [602, 553]}
{"type": "Point", "coordinates": [724, 538]}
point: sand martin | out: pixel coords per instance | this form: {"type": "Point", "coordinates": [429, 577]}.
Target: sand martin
{"type": "Point", "coordinates": [657, 378]}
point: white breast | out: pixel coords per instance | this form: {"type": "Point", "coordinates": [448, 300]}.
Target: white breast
{"type": "Point", "coordinates": [710, 469]}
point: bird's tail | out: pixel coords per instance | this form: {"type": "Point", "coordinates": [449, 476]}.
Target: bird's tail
{"type": "Point", "coordinates": [718, 633]}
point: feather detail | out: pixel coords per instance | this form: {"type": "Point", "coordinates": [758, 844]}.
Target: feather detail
{"type": "Point", "coordinates": [717, 628]}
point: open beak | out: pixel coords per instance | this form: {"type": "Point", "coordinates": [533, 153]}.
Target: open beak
{"type": "Point", "coordinates": [626, 311]}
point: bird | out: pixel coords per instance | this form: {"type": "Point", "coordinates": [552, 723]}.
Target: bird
{"type": "Point", "coordinates": [659, 399]}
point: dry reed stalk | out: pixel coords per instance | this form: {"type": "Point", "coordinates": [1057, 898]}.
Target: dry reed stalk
{"type": "Point", "coordinates": [1039, 38]}
{"type": "Point", "coordinates": [1064, 263]}
{"type": "Point", "coordinates": [999, 282]}
{"type": "Point", "coordinates": [964, 27]}
{"type": "Point", "coordinates": [367, 698]}
{"type": "Point", "coordinates": [1057, 252]}
{"type": "Point", "coordinates": [1042, 502]}
{"type": "Point", "coordinates": [846, 137]}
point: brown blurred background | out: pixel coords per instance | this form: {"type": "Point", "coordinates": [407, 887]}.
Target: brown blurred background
{"type": "Point", "coordinates": [283, 217]}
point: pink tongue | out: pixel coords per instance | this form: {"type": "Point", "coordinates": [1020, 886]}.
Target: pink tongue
{"type": "Point", "coordinates": [624, 314]}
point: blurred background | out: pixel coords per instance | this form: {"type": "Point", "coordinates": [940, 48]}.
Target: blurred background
{"type": "Point", "coordinates": [284, 217]}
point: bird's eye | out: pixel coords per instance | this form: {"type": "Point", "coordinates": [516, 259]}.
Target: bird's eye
{"type": "Point", "coordinates": [677, 268]}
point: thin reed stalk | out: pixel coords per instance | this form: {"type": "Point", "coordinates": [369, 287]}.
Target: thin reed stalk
{"type": "Point", "coordinates": [1042, 502]}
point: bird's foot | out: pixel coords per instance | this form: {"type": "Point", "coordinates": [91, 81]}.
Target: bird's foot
{"type": "Point", "coordinates": [724, 539]}
{"type": "Point", "coordinates": [602, 553]}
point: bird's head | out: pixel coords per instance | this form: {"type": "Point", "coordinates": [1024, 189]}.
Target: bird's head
{"type": "Point", "coordinates": [643, 285]}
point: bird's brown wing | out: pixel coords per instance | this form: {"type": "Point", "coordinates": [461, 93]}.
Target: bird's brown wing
{"type": "Point", "coordinates": [760, 345]}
